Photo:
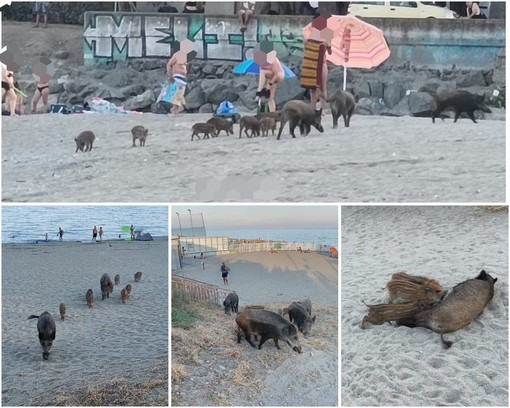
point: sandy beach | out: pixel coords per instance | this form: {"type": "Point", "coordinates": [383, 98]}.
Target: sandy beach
{"type": "Point", "coordinates": [264, 277]}
{"type": "Point", "coordinates": [377, 159]}
{"type": "Point", "coordinates": [238, 375]}
{"type": "Point", "coordinates": [110, 354]}
{"type": "Point", "coordinates": [399, 366]}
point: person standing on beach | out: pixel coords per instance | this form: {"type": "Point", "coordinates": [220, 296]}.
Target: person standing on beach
{"type": "Point", "coordinates": [60, 234]}
{"type": "Point", "coordinates": [94, 233]}
{"type": "Point", "coordinates": [41, 9]}
{"type": "Point", "coordinates": [8, 92]}
{"type": "Point", "coordinates": [224, 273]}
{"type": "Point", "coordinates": [177, 70]}
{"type": "Point", "coordinates": [132, 229]}
{"type": "Point", "coordinates": [46, 237]}
{"type": "Point", "coordinates": [101, 234]}
{"type": "Point", "coordinates": [42, 90]}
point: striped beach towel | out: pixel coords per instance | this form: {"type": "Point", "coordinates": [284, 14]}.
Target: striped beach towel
{"type": "Point", "coordinates": [311, 72]}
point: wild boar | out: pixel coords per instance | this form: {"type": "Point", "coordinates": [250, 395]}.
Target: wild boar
{"type": "Point", "coordinates": [307, 304]}
{"type": "Point", "coordinates": [84, 140]}
{"type": "Point", "coordinates": [249, 123]}
{"type": "Point", "coordinates": [267, 124]}
{"type": "Point", "coordinates": [404, 288]}
{"type": "Point", "coordinates": [342, 103]}
{"type": "Point", "coordinates": [459, 308]}
{"type": "Point", "coordinates": [139, 132]}
{"type": "Point", "coordinates": [268, 325]}
{"type": "Point", "coordinates": [89, 296]}
{"type": "Point", "coordinates": [300, 113]}
{"type": "Point", "coordinates": [379, 314]}
{"type": "Point", "coordinates": [231, 303]}
{"type": "Point", "coordinates": [207, 129]}
{"type": "Point", "coordinates": [222, 124]}
{"type": "Point", "coordinates": [138, 276]}
{"type": "Point", "coordinates": [124, 295]}
{"type": "Point", "coordinates": [117, 279]}
{"type": "Point", "coordinates": [460, 101]}
{"type": "Point", "coordinates": [62, 310]}
{"type": "Point", "coordinates": [106, 286]}
{"type": "Point", "coordinates": [47, 331]}
{"type": "Point", "coordinates": [300, 317]}
{"type": "Point", "coordinates": [128, 289]}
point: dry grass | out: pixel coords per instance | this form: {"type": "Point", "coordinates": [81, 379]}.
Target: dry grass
{"type": "Point", "coordinates": [179, 372]}
{"type": "Point", "coordinates": [245, 375]}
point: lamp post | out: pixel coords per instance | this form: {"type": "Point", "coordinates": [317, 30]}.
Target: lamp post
{"type": "Point", "coordinates": [180, 229]}
{"type": "Point", "coordinates": [191, 219]}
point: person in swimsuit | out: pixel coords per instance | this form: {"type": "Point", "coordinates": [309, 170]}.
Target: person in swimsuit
{"type": "Point", "coordinates": [271, 74]}
{"type": "Point", "coordinates": [177, 70]}
{"type": "Point", "coordinates": [94, 233]}
{"type": "Point", "coordinates": [8, 90]}
{"type": "Point", "coordinates": [101, 234]}
{"type": "Point", "coordinates": [132, 229]}
{"type": "Point", "coordinates": [42, 90]}
{"type": "Point", "coordinates": [473, 10]}
{"type": "Point", "coordinates": [245, 13]}
{"type": "Point", "coordinates": [41, 9]}
{"type": "Point", "coordinates": [60, 234]}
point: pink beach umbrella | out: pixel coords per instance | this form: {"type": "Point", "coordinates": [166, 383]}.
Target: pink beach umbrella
{"type": "Point", "coordinates": [354, 43]}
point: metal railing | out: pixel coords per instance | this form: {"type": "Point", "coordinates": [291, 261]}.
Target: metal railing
{"type": "Point", "coordinates": [200, 290]}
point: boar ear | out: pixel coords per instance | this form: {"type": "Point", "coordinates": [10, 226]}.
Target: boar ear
{"type": "Point", "coordinates": [482, 275]}
{"type": "Point", "coordinates": [495, 280]}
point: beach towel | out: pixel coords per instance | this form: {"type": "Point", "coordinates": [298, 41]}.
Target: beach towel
{"type": "Point", "coordinates": [173, 92]}
{"type": "Point", "coordinates": [311, 72]}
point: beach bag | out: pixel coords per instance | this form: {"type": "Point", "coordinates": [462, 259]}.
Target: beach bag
{"type": "Point", "coordinates": [226, 109]}
{"type": "Point", "coordinates": [59, 108]}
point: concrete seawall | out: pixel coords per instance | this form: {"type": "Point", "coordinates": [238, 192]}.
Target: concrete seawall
{"type": "Point", "coordinates": [126, 36]}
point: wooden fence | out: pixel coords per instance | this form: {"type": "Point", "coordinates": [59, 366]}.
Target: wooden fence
{"type": "Point", "coordinates": [200, 290]}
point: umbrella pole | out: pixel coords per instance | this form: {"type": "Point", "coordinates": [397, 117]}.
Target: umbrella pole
{"type": "Point", "coordinates": [345, 77]}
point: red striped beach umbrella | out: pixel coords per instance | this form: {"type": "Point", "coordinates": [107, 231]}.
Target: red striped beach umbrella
{"type": "Point", "coordinates": [355, 44]}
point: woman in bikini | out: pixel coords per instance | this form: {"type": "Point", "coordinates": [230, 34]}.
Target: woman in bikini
{"type": "Point", "coordinates": [8, 90]}
{"type": "Point", "coordinates": [42, 90]}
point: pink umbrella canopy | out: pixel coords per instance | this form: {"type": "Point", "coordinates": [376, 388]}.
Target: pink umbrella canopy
{"type": "Point", "coordinates": [354, 43]}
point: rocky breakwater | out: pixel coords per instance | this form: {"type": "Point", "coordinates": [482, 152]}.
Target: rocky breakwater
{"type": "Point", "coordinates": [393, 91]}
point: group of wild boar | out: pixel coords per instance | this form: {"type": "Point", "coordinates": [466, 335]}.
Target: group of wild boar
{"type": "Point", "coordinates": [46, 325]}
{"type": "Point", "coordinates": [257, 322]}
{"type": "Point", "coordinates": [296, 113]}
{"type": "Point", "coordinates": [417, 301]}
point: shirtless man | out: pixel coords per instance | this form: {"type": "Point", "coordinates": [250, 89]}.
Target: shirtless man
{"type": "Point", "coordinates": [8, 90]}
{"type": "Point", "coordinates": [177, 70]}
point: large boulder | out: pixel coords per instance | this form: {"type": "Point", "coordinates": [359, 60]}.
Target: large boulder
{"type": "Point", "coordinates": [472, 78]}
{"type": "Point", "coordinates": [195, 98]}
{"type": "Point", "coordinates": [288, 90]}
{"type": "Point", "coordinates": [393, 94]}
{"type": "Point", "coordinates": [420, 103]}
{"type": "Point", "coordinates": [141, 102]}
{"type": "Point", "coordinates": [218, 90]}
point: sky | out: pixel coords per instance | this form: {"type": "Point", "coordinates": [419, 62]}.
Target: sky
{"type": "Point", "coordinates": [258, 216]}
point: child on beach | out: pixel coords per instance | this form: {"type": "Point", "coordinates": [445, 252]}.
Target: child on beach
{"type": "Point", "coordinates": [224, 273]}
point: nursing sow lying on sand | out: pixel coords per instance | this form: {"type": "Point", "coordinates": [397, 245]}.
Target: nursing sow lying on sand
{"type": "Point", "coordinates": [441, 314]}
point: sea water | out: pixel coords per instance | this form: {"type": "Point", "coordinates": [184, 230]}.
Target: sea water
{"type": "Point", "coordinates": [24, 224]}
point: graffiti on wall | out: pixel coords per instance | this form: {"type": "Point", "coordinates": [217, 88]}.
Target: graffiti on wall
{"type": "Point", "coordinates": [117, 36]}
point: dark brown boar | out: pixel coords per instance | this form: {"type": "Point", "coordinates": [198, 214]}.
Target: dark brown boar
{"type": "Point", "coordinates": [139, 132]}
{"type": "Point", "coordinates": [47, 331]}
{"type": "Point", "coordinates": [300, 317]}
{"type": "Point", "coordinates": [138, 276]}
{"type": "Point", "coordinates": [342, 104]}
{"type": "Point", "coordinates": [249, 123]}
{"type": "Point", "coordinates": [267, 325]}
{"type": "Point", "coordinates": [84, 140]}
{"type": "Point", "coordinates": [106, 286]}
{"type": "Point", "coordinates": [300, 113]}
{"type": "Point", "coordinates": [222, 124]}
{"type": "Point", "coordinates": [231, 303]}
{"type": "Point", "coordinates": [89, 296]}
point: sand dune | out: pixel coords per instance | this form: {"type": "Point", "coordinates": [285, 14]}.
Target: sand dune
{"type": "Point", "coordinates": [389, 366]}
{"type": "Point", "coordinates": [377, 159]}
{"type": "Point", "coordinates": [111, 345]}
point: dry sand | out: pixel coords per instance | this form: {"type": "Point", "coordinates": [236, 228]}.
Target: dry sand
{"type": "Point", "coordinates": [264, 277]}
{"type": "Point", "coordinates": [111, 354]}
{"type": "Point", "coordinates": [389, 366]}
{"type": "Point", "coordinates": [378, 159]}
{"type": "Point", "coordinates": [223, 372]}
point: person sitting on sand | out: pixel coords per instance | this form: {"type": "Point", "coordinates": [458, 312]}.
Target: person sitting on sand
{"type": "Point", "coordinates": [42, 89]}
{"type": "Point", "coordinates": [224, 273]}
{"type": "Point", "coordinates": [177, 70]}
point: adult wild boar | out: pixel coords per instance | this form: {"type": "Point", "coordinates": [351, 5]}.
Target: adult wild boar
{"type": "Point", "coordinates": [47, 331]}
{"type": "Point", "coordinates": [342, 103]}
{"type": "Point", "coordinates": [106, 286]}
{"type": "Point", "coordinates": [299, 113]}
{"type": "Point", "coordinates": [460, 101]}
{"type": "Point", "coordinates": [459, 308]}
{"type": "Point", "coordinates": [267, 325]}
{"type": "Point", "coordinates": [307, 304]}
{"type": "Point", "coordinates": [300, 317]}
{"type": "Point", "coordinates": [231, 303]}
